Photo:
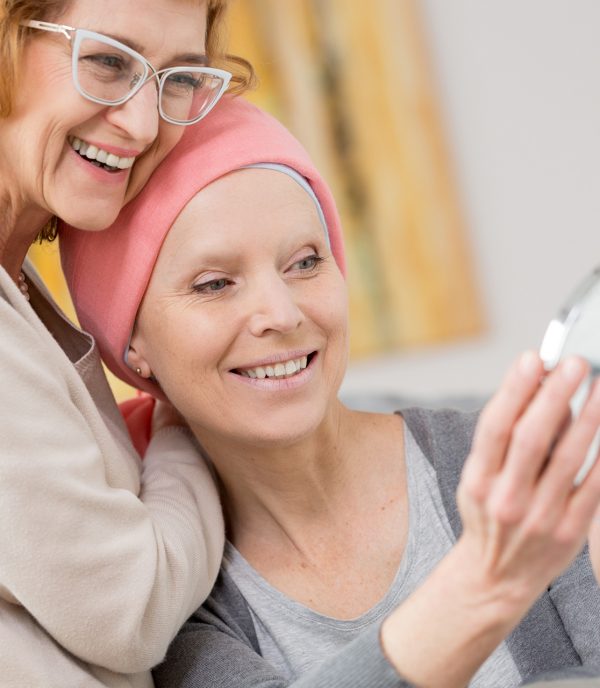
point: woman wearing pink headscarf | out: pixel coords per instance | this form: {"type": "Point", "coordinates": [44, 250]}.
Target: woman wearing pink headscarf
{"type": "Point", "coordinates": [350, 561]}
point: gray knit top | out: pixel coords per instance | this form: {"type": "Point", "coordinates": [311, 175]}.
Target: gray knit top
{"type": "Point", "coordinates": [219, 648]}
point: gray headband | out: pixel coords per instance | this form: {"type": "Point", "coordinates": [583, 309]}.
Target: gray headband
{"type": "Point", "coordinates": [298, 178]}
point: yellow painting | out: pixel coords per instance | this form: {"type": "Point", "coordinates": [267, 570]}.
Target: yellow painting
{"type": "Point", "coordinates": [352, 80]}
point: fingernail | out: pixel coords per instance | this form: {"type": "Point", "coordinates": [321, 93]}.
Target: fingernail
{"type": "Point", "coordinates": [529, 363]}
{"type": "Point", "coordinates": [573, 368]}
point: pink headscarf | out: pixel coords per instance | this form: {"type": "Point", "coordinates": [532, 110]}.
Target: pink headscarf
{"type": "Point", "coordinates": [108, 272]}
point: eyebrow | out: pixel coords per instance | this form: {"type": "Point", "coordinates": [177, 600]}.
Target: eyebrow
{"type": "Point", "coordinates": [193, 58]}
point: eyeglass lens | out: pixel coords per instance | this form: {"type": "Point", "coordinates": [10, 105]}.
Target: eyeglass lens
{"type": "Point", "coordinates": [109, 74]}
{"type": "Point", "coordinates": [185, 95]}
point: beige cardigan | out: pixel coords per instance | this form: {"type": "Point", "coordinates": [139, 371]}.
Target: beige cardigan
{"type": "Point", "coordinates": [101, 558]}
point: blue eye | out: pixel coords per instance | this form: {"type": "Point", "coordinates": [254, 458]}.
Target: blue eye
{"type": "Point", "coordinates": [179, 83]}
{"type": "Point", "coordinates": [211, 286]}
{"type": "Point", "coordinates": [308, 263]}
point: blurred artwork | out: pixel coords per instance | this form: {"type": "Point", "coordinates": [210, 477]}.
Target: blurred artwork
{"type": "Point", "coordinates": [352, 81]}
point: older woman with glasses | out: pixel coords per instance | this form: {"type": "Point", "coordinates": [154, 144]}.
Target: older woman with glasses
{"type": "Point", "coordinates": [350, 562]}
{"type": "Point", "coordinates": [100, 560]}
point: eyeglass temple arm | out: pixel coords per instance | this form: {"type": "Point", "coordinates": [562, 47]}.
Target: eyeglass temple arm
{"type": "Point", "coordinates": [47, 26]}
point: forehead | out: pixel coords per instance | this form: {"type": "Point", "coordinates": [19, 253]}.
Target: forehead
{"type": "Point", "coordinates": [152, 28]}
{"type": "Point", "coordinates": [263, 204]}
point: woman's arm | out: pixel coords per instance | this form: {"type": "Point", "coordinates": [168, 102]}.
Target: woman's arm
{"type": "Point", "coordinates": [110, 575]}
{"type": "Point", "coordinates": [523, 523]}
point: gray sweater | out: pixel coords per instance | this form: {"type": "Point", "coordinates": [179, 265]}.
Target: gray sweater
{"type": "Point", "coordinates": [218, 646]}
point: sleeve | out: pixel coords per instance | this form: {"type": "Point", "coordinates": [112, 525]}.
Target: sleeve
{"type": "Point", "coordinates": [213, 644]}
{"type": "Point", "coordinates": [110, 575]}
{"type": "Point", "coordinates": [576, 596]}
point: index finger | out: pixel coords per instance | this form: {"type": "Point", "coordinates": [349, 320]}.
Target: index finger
{"type": "Point", "coordinates": [494, 430]}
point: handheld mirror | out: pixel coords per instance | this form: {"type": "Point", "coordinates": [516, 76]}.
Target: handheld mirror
{"type": "Point", "coordinates": [576, 331]}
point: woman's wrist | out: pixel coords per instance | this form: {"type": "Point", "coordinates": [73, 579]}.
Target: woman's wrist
{"type": "Point", "coordinates": [448, 627]}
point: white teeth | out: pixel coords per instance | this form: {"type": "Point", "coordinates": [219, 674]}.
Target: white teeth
{"type": "Point", "coordinates": [104, 157]}
{"type": "Point", "coordinates": [278, 370]}
{"type": "Point", "coordinates": [91, 152]}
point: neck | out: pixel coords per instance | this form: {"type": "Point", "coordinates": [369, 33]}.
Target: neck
{"type": "Point", "coordinates": [18, 229]}
{"type": "Point", "coordinates": [288, 493]}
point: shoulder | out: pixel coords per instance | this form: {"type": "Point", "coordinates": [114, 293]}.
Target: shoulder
{"type": "Point", "coordinates": [443, 435]}
{"type": "Point", "coordinates": [227, 610]}
{"type": "Point", "coordinates": [219, 640]}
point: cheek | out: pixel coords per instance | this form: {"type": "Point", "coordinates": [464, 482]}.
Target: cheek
{"type": "Point", "coordinates": [182, 348]}
{"type": "Point", "coordinates": [45, 82]}
{"type": "Point", "coordinates": [333, 320]}
{"type": "Point", "coordinates": [187, 369]}
{"type": "Point", "coordinates": [332, 304]}
{"type": "Point", "coordinates": [168, 136]}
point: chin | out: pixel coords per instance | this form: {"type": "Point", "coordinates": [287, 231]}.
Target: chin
{"type": "Point", "coordinates": [283, 432]}
{"type": "Point", "coordinates": [92, 220]}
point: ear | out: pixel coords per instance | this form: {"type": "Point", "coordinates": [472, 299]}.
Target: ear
{"type": "Point", "coordinates": [135, 358]}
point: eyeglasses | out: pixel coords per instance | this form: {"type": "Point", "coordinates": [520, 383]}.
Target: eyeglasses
{"type": "Point", "coordinates": [108, 72]}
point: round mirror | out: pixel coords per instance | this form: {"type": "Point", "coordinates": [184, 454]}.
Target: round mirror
{"type": "Point", "coordinates": [576, 331]}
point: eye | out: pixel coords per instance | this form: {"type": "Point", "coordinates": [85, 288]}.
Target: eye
{"type": "Point", "coordinates": [100, 61]}
{"type": "Point", "coordinates": [183, 82]}
{"type": "Point", "coordinates": [308, 263]}
{"type": "Point", "coordinates": [212, 286]}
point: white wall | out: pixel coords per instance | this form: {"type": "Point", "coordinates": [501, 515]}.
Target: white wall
{"type": "Point", "coordinates": [519, 85]}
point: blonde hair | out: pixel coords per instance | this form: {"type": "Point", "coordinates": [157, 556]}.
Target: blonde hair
{"type": "Point", "coordinates": [244, 77]}
{"type": "Point", "coordinates": [12, 37]}
{"type": "Point", "coordinates": [12, 13]}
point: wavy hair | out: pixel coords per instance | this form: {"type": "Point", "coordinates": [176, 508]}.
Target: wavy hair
{"type": "Point", "coordinates": [12, 38]}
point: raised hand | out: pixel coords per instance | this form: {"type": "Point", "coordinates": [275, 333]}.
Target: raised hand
{"type": "Point", "coordinates": [524, 521]}
{"type": "Point", "coordinates": [520, 510]}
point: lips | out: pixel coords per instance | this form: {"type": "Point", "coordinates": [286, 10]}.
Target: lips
{"type": "Point", "coordinates": [276, 370]}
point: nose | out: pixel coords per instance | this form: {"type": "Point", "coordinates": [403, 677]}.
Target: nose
{"type": "Point", "coordinates": [138, 117]}
{"type": "Point", "coordinates": [274, 308]}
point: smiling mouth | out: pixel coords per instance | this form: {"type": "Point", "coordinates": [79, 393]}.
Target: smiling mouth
{"type": "Point", "coordinates": [100, 157]}
{"type": "Point", "coordinates": [277, 371]}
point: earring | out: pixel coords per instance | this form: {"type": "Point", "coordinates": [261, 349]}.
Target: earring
{"type": "Point", "coordinates": [138, 371]}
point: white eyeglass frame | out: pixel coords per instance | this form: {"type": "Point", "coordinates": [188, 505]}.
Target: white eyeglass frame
{"type": "Point", "coordinates": [149, 71]}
